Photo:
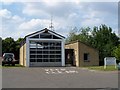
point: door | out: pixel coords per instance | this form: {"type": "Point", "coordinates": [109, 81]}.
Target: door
{"type": "Point", "coordinates": [69, 57]}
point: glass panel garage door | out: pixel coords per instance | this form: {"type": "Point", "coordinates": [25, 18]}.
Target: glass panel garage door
{"type": "Point", "coordinates": [45, 51]}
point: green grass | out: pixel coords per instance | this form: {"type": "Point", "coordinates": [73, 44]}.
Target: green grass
{"type": "Point", "coordinates": [16, 65]}
{"type": "Point", "coordinates": [101, 68]}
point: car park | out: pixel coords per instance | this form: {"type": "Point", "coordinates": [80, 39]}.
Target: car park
{"type": "Point", "coordinates": [9, 59]}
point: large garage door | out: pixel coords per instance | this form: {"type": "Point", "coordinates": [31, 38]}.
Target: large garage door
{"type": "Point", "coordinates": [45, 53]}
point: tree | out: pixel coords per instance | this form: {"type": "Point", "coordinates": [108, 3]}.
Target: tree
{"type": "Point", "coordinates": [8, 45]}
{"type": "Point", "coordinates": [101, 38]}
{"type": "Point", "coordinates": [83, 35]}
{"type": "Point", "coordinates": [116, 52]}
{"type": "Point", "coordinates": [11, 46]}
{"type": "Point", "coordinates": [72, 35]}
{"type": "Point", "coordinates": [17, 47]}
{"type": "Point", "coordinates": [104, 40]}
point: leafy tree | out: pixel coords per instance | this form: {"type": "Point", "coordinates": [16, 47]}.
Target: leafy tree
{"type": "Point", "coordinates": [72, 35]}
{"type": "Point", "coordinates": [116, 52]}
{"type": "Point", "coordinates": [17, 47]}
{"type": "Point", "coordinates": [102, 38]}
{"type": "Point", "coordinates": [9, 45]}
{"type": "Point", "coordinates": [83, 35]}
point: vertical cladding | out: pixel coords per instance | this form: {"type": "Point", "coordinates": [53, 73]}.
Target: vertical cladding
{"type": "Point", "coordinates": [24, 54]}
{"type": "Point", "coordinates": [79, 56]}
{"type": "Point", "coordinates": [63, 53]}
{"type": "Point", "coordinates": [21, 55]}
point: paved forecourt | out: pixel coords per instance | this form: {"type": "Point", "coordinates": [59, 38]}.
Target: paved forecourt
{"type": "Point", "coordinates": [57, 77]}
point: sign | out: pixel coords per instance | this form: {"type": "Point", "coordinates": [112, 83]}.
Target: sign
{"type": "Point", "coordinates": [109, 61]}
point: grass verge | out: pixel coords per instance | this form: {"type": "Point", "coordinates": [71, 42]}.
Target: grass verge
{"type": "Point", "coordinates": [101, 68]}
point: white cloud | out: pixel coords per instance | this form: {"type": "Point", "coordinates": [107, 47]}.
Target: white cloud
{"type": "Point", "coordinates": [36, 16]}
{"type": "Point", "coordinates": [4, 13]}
{"type": "Point", "coordinates": [17, 19]}
{"type": "Point", "coordinates": [92, 22]}
{"type": "Point", "coordinates": [9, 24]}
{"type": "Point", "coordinates": [31, 10]}
{"type": "Point", "coordinates": [34, 24]}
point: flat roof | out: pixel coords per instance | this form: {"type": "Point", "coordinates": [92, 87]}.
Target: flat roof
{"type": "Point", "coordinates": [82, 43]}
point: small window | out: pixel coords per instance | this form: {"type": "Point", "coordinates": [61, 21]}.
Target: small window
{"type": "Point", "coordinates": [86, 57]}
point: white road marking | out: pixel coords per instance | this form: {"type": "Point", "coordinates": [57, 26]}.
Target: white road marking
{"type": "Point", "coordinates": [67, 71]}
{"type": "Point", "coordinates": [47, 72]}
{"type": "Point", "coordinates": [60, 71]}
{"type": "Point", "coordinates": [63, 69]}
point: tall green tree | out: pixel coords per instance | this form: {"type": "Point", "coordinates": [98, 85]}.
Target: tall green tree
{"type": "Point", "coordinates": [116, 52]}
{"type": "Point", "coordinates": [102, 38]}
{"type": "Point", "coordinates": [72, 35]}
{"type": "Point", "coordinates": [17, 47]}
{"type": "Point", "coordinates": [83, 34]}
{"type": "Point", "coordinates": [8, 45]}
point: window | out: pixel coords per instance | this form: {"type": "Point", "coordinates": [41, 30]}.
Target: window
{"type": "Point", "coordinates": [45, 60]}
{"type": "Point", "coordinates": [58, 60]}
{"type": "Point", "coordinates": [32, 60]}
{"type": "Point", "coordinates": [86, 57]}
{"type": "Point", "coordinates": [36, 36]}
{"type": "Point", "coordinates": [39, 60]}
{"type": "Point", "coordinates": [32, 56]}
{"type": "Point", "coordinates": [45, 51]}
{"type": "Point", "coordinates": [54, 37]}
{"type": "Point", "coordinates": [45, 36]}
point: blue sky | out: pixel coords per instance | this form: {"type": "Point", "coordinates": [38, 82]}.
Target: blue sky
{"type": "Point", "coordinates": [21, 18]}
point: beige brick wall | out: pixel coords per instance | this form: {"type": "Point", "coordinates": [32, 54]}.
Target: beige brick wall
{"type": "Point", "coordinates": [76, 51]}
{"type": "Point", "coordinates": [93, 55]}
{"type": "Point", "coordinates": [79, 50]}
{"type": "Point", "coordinates": [23, 55]}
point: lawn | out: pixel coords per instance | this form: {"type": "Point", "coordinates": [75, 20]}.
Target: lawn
{"type": "Point", "coordinates": [101, 68]}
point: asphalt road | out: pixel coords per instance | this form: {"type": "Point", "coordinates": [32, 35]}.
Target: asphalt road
{"type": "Point", "coordinates": [57, 77]}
